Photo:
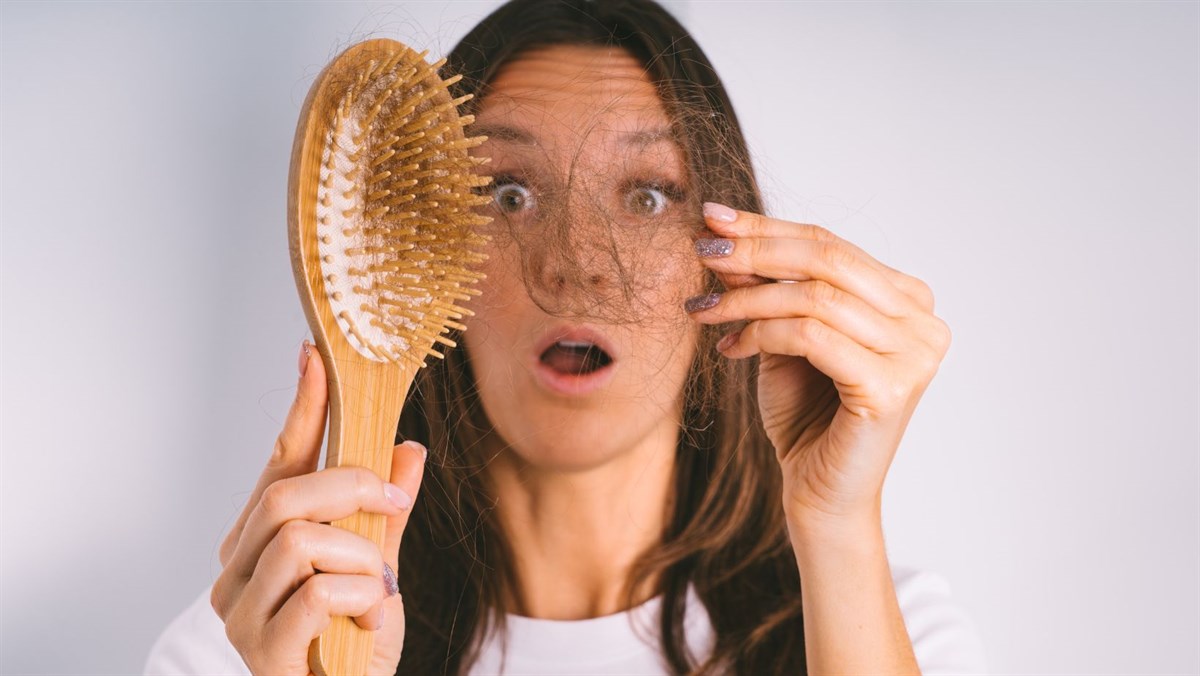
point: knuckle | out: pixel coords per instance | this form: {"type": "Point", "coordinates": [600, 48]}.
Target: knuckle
{"type": "Point", "coordinates": [315, 595]}
{"type": "Point", "coordinates": [810, 330]}
{"type": "Point", "coordinates": [823, 234]}
{"type": "Point", "coordinates": [752, 331]}
{"type": "Point", "coordinates": [755, 222]}
{"type": "Point", "coordinates": [888, 395]}
{"type": "Point", "coordinates": [929, 364]}
{"type": "Point", "coordinates": [275, 499]}
{"type": "Point", "coordinates": [236, 630]}
{"type": "Point", "coordinates": [836, 256]}
{"type": "Point", "coordinates": [922, 292]}
{"type": "Point", "coordinates": [760, 247]}
{"type": "Point", "coordinates": [779, 299]}
{"type": "Point", "coordinates": [292, 537]}
{"type": "Point", "coordinates": [942, 336]}
{"type": "Point", "coordinates": [366, 485]}
{"type": "Point", "coordinates": [217, 598]}
{"type": "Point", "coordinates": [279, 452]}
{"type": "Point", "coordinates": [228, 547]}
{"type": "Point", "coordinates": [822, 294]}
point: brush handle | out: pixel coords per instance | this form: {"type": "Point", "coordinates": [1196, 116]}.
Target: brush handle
{"type": "Point", "coordinates": [365, 398]}
{"type": "Point", "coordinates": [393, 311]}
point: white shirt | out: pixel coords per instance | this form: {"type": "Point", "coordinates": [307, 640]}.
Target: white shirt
{"type": "Point", "coordinates": [944, 639]}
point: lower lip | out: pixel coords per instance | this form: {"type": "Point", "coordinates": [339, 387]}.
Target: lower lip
{"type": "Point", "coordinates": [572, 385]}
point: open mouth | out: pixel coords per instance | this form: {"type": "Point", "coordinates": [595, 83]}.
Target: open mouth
{"type": "Point", "coordinates": [576, 358]}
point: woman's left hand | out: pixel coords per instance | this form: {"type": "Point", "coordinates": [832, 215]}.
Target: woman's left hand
{"type": "Point", "coordinates": [848, 347]}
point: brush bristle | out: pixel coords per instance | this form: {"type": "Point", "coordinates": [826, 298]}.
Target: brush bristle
{"type": "Point", "coordinates": [396, 224]}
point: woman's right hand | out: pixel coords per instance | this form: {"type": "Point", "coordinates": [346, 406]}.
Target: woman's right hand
{"type": "Point", "coordinates": [287, 572]}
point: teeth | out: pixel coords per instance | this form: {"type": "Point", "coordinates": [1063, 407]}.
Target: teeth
{"type": "Point", "coordinates": [571, 344]}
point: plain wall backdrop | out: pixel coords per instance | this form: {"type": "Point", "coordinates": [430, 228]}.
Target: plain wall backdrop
{"type": "Point", "coordinates": [1036, 163]}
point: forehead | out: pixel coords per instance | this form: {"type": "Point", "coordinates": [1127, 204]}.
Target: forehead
{"type": "Point", "coordinates": [563, 92]}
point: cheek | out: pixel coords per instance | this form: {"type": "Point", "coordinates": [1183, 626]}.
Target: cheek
{"type": "Point", "coordinates": [670, 278]}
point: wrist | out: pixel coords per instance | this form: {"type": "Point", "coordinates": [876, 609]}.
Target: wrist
{"type": "Point", "coordinates": [842, 531]}
{"type": "Point", "coordinates": [825, 522]}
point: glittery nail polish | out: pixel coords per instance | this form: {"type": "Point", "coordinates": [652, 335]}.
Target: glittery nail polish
{"type": "Point", "coordinates": [714, 248]}
{"type": "Point", "coordinates": [389, 580]}
{"type": "Point", "coordinates": [698, 303]}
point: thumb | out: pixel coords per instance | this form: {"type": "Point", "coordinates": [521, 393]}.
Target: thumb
{"type": "Point", "coordinates": [408, 467]}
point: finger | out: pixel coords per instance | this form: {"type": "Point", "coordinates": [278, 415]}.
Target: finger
{"type": "Point", "coordinates": [300, 550]}
{"type": "Point", "coordinates": [408, 468]}
{"type": "Point", "coordinates": [725, 222]}
{"type": "Point", "coordinates": [391, 618]}
{"type": "Point", "coordinates": [327, 495]}
{"type": "Point", "coordinates": [850, 365]}
{"type": "Point", "coordinates": [298, 446]}
{"type": "Point", "coordinates": [912, 287]}
{"type": "Point", "coordinates": [843, 312]}
{"type": "Point", "coordinates": [803, 260]}
{"type": "Point", "coordinates": [308, 612]}
{"type": "Point", "coordinates": [708, 247]}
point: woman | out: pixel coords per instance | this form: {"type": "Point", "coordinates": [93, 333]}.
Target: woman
{"type": "Point", "coordinates": [662, 445]}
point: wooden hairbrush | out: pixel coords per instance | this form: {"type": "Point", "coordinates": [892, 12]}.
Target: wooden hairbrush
{"type": "Point", "coordinates": [382, 229]}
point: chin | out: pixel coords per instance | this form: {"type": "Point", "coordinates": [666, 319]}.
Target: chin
{"type": "Point", "coordinates": [571, 444]}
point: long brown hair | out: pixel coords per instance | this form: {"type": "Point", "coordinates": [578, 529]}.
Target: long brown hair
{"type": "Point", "coordinates": [725, 533]}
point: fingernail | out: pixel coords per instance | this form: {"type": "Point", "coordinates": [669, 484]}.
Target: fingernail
{"type": "Point", "coordinates": [719, 212]}
{"type": "Point", "coordinates": [713, 248]}
{"type": "Point", "coordinates": [727, 342]}
{"type": "Point", "coordinates": [397, 496]}
{"type": "Point", "coordinates": [698, 303]}
{"type": "Point", "coordinates": [390, 583]}
{"type": "Point", "coordinates": [420, 449]}
{"type": "Point", "coordinates": [305, 353]}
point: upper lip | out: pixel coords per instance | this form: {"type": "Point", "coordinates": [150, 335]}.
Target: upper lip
{"type": "Point", "coordinates": [575, 333]}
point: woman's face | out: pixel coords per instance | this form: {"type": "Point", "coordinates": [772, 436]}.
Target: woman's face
{"type": "Point", "coordinates": [579, 345]}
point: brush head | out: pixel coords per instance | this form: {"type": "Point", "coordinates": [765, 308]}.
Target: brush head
{"type": "Point", "coordinates": [384, 197]}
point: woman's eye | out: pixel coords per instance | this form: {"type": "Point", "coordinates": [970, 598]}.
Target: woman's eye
{"type": "Point", "coordinates": [511, 198]}
{"type": "Point", "coordinates": [646, 201]}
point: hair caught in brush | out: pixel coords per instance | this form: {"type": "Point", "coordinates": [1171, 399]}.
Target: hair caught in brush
{"type": "Point", "coordinates": [726, 532]}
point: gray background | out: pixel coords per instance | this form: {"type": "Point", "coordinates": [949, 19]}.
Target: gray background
{"type": "Point", "coordinates": [1035, 162]}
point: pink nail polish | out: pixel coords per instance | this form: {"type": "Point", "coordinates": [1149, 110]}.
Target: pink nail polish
{"type": "Point", "coordinates": [727, 342]}
{"type": "Point", "coordinates": [397, 496]}
{"type": "Point", "coordinates": [420, 449]}
{"type": "Point", "coordinates": [305, 353]}
{"type": "Point", "coordinates": [719, 212]}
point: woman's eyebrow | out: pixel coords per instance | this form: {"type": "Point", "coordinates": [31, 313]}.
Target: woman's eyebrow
{"type": "Point", "coordinates": [500, 132]}
{"type": "Point", "coordinates": [503, 132]}
{"type": "Point", "coordinates": [648, 137]}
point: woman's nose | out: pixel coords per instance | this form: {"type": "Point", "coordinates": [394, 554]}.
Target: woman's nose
{"type": "Point", "coordinates": [576, 249]}
{"type": "Point", "coordinates": [570, 269]}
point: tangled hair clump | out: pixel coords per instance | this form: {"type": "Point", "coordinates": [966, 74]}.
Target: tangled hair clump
{"type": "Point", "coordinates": [725, 533]}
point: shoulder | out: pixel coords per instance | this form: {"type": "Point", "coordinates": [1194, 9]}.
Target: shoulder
{"type": "Point", "coordinates": [943, 636]}
{"type": "Point", "coordinates": [195, 643]}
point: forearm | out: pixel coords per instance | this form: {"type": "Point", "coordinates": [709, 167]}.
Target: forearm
{"type": "Point", "coordinates": [852, 621]}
